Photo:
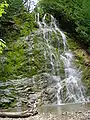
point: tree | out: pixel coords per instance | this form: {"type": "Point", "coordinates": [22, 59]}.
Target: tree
{"type": "Point", "coordinates": [2, 11]}
{"type": "Point", "coordinates": [17, 21]}
{"type": "Point", "coordinates": [73, 17]}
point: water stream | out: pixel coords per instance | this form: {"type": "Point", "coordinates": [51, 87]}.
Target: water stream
{"type": "Point", "coordinates": [70, 89]}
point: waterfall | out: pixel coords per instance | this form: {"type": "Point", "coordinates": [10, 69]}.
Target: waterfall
{"type": "Point", "coordinates": [30, 4]}
{"type": "Point", "coordinates": [54, 79]}
{"type": "Point", "coordinates": [69, 88]}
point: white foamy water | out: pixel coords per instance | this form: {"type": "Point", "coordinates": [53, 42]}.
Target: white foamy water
{"type": "Point", "coordinates": [70, 89]}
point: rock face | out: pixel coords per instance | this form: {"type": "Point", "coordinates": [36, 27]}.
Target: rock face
{"type": "Point", "coordinates": [29, 92]}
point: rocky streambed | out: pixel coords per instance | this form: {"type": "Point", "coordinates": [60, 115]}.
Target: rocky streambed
{"type": "Point", "coordinates": [64, 116]}
{"type": "Point", "coordinates": [78, 111]}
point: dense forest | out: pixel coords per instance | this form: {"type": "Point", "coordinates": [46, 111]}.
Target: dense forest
{"type": "Point", "coordinates": [17, 23]}
{"type": "Point", "coordinates": [73, 17]}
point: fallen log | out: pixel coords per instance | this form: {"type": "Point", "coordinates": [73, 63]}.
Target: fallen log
{"type": "Point", "coordinates": [23, 114]}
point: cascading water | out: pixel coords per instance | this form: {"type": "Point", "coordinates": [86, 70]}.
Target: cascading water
{"type": "Point", "coordinates": [56, 81]}
{"type": "Point", "coordinates": [69, 88]}
{"type": "Point", "coordinates": [30, 4]}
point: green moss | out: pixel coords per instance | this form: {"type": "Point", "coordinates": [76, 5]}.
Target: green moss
{"type": "Point", "coordinates": [86, 78]}
{"type": "Point", "coordinates": [82, 61]}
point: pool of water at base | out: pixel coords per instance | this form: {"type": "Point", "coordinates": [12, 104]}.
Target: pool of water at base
{"type": "Point", "coordinates": [63, 108]}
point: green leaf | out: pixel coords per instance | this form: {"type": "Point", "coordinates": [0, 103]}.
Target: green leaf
{"type": "Point", "coordinates": [2, 8]}
{"type": "Point", "coordinates": [2, 45]}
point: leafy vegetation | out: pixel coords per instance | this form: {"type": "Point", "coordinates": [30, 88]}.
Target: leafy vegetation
{"type": "Point", "coordinates": [17, 21]}
{"type": "Point", "coordinates": [73, 17]}
{"type": "Point", "coordinates": [2, 11]}
{"type": "Point", "coordinates": [2, 6]}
